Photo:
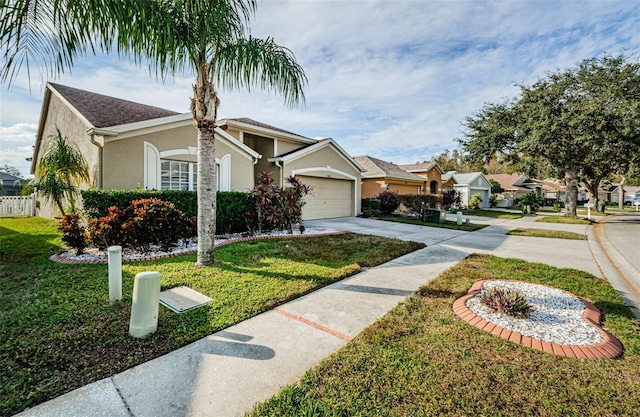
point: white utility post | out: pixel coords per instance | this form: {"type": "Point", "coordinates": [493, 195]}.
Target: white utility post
{"type": "Point", "coordinates": [145, 305]}
{"type": "Point", "coordinates": [459, 218]}
{"type": "Point", "coordinates": [589, 206]}
{"type": "Point", "coordinates": [637, 203]}
{"type": "Point", "coordinates": [115, 273]}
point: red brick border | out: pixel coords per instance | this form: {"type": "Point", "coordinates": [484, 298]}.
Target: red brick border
{"type": "Point", "coordinates": [59, 259]}
{"type": "Point", "coordinates": [609, 348]}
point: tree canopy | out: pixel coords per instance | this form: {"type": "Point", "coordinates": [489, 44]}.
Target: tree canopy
{"type": "Point", "coordinates": [583, 122]}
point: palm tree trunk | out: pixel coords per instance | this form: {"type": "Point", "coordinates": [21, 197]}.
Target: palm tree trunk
{"type": "Point", "coordinates": [204, 107]}
{"type": "Point", "coordinates": [206, 195]}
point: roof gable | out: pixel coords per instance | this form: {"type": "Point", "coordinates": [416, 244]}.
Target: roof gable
{"type": "Point", "coordinates": [423, 167]}
{"type": "Point", "coordinates": [104, 111]}
{"type": "Point", "coordinates": [377, 168]}
{"type": "Point", "coordinates": [260, 129]}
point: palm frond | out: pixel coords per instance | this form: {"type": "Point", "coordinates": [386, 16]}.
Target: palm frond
{"type": "Point", "coordinates": [261, 62]}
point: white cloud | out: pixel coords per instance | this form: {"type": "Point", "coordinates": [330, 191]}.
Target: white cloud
{"type": "Point", "coordinates": [393, 79]}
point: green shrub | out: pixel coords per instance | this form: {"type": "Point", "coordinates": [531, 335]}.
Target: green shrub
{"type": "Point", "coordinates": [451, 200]}
{"type": "Point", "coordinates": [232, 206]}
{"type": "Point", "coordinates": [370, 213]}
{"type": "Point", "coordinates": [233, 209]}
{"type": "Point", "coordinates": [371, 203]}
{"type": "Point", "coordinates": [389, 201]}
{"type": "Point", "coordinates": [419, 205]}
{"type": "Point", "coordinates": [73, 232]}
{"type": "Point", "coordinates": [530, 202]}
{"type": "Point", "coordinates": [143, 223]}
{"type": "Point", "coordinates": [507, 301]}
{"type": "Point", "coordinates": [96, 203]}
{"type": "Point", "coordinates": [474, 201]}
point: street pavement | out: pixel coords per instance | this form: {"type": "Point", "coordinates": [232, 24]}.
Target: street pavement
{"type": "Point", "coordinates": [227, 373]}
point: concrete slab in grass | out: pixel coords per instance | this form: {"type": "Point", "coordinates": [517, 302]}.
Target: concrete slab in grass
{"type": "Point", "coordinates": [181, 299]}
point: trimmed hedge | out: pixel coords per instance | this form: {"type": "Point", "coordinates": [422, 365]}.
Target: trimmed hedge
{"type": "Point", "coordinates": [232, 206]}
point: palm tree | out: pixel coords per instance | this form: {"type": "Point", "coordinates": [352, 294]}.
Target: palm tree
{"type": "Point", "coordinates": [60, 171]}
{"type": "Point", "coordinates": [208, 38]}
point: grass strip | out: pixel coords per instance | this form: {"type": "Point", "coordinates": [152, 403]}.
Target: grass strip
{"type": "Point", "coordinates": [555, 234]}
{"type": "Point", "coordinates": [448, 225]}
{"type": "Point", "coordinates": [563, 220]}
{"type": "Point", "coordinates": [422, 360]}
{"type": "Point", "coordinates": [59, 331]}
{"type": "Point", "coordinates": [496, 214]}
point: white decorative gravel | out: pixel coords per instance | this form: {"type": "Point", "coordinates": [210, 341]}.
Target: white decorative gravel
{"type": "Point", "coordinates": [184, 246]}
{"type": "Point", "coordinates": [556, 316]}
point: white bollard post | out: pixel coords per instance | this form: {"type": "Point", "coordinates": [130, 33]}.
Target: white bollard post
{"type": "Point", "coordinates": [115, 273]}
{"type": "Point", "coordinates": [145, 305]}
{"type": "Point", "coordinates": [459, 218]}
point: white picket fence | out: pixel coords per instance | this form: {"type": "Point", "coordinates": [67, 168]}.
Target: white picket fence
{"type": "Point", "coordinates": [18, 206]}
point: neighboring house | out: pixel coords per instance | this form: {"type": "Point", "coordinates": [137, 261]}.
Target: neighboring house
{"type": "Point", "coordinates": [381, 175]}
{"type": "Point", "coordinates": [431, 171]}
{"type": "Point", "coordinates": [448, 182]}
{"type": "Point", "coordinates": [517, 185]}
{"type": "Point", "coordinates": [10, 185]}
{"type": "Point", "coordinates": [130, 145]}
{"type": "Point", "coordinates": [473, 183]}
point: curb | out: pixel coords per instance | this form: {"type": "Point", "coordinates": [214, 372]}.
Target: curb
{"type": "Point", "coordinates": [61, 260]}
{"type": "Point", "coordinates": [609, 348]}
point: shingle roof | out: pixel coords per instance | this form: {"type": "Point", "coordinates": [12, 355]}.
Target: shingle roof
{"type": "Point", "coordinates": [425, 166]}
{"type": "Point", "coordinates": [466, 178]}
{"type": "Point", "coordinates": [265, 126]}
{"type": "Point", "coordinates": [104, 111]}
{"type": "Point", "coordinates": [377, 168]}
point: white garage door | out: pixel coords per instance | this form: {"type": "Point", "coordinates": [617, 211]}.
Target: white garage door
{"type": "Point", "coordinates": [484, 194]}
{"type": "Point", "coordinates": [329, 198]}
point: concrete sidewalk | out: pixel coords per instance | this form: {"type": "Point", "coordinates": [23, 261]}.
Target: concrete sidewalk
{"type": "Point", "coordinates": [226, 373]}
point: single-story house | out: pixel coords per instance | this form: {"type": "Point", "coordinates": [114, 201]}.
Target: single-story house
{"type": "Point", "coordinates": [431, 171]}
{"type": "Point", "coordinates": [131, 145]}
{"type": "Point", "coordinates": [381, 175]}
{"type": "Point", "coordinates": [473, 183]}
{"type": "Point", "coordinates": [10, 185]}
{"type": "Point", "coordinates": [517, 185]}
{"type": "Point", "coordinates": [448, 181]}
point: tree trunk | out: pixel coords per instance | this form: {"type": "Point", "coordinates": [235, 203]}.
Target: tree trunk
{"type": "Point", "coordinates": [621, 193]}
{"type": "Point", "coordinates": [204, 107]}
{"type": "Point", "coordinates": [571, 182]}
{"type": "Point", "coordinates": [206, 195]}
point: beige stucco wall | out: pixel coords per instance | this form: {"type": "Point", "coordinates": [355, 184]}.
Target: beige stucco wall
{"type": "Point", "coordinates": [72, 128]}
{"type": "Point", "coordinates": [124, 158]}
{"type": "Point", "coordinates": [371, 187]}
{"type": "Point", "coordinates": [324, 157]}
{"type": "Point", "coordinates": [432, 175]}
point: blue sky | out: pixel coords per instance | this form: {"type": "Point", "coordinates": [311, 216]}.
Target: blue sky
{"type": "Point", "coordinates": [389, 79]}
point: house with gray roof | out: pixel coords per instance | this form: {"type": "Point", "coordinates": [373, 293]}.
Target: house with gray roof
{"type": "Point", "coordinates": [129, 145]}
{"type": "Point", "coordinates": [470, 184]}
{"type": "Point", "coordinates": [381, 175]}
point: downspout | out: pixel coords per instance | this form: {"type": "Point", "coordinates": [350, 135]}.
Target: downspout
{"type": "Point", "coordinates": [93, 132]}
{"type": "Point", "coordinates": [281, 179]}
{"type": "Point", "coordinates": [100, 146]}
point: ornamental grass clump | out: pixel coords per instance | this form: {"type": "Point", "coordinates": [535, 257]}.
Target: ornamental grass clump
{"type": "Point", "coordinates": [507, 301]}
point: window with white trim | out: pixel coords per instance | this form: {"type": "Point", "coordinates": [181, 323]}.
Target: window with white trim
{"type": "Point", "coordinates": [178, 175]}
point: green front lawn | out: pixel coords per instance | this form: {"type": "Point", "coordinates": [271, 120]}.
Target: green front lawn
{"type": "Point", "coordinates": [448, 225]}
{"type": "Point", "coordinates": [563, 220]}
{"type": "Point", "coordinates": [556, 234]}
{"type": "Point", "coordinates": [422, 360]}
{"type": "Point", "coordinates": [59, 331]}
{"type": "Point", "coordinates": [496, 214]}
